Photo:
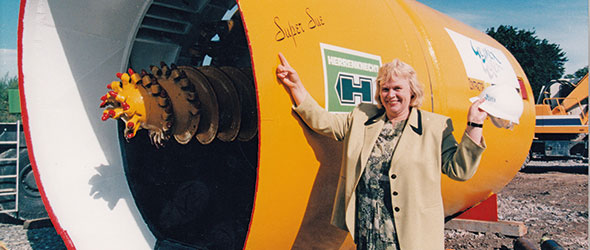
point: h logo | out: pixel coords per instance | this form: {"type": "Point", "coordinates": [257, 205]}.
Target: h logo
{"type": "Point", "coordinates": [348, 77]}
{"type": "Point", "coordinates": [347, 89]}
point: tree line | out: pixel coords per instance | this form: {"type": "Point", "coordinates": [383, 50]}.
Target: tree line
{"type": "Point", "coordinates": [541, 60]}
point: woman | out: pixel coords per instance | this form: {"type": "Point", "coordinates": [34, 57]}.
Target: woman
{"type": "Point", "coordinates": [389, 191]}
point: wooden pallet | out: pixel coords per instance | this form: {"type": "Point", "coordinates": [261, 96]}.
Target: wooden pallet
{"type": "Point", "coordinates": [509, 228]}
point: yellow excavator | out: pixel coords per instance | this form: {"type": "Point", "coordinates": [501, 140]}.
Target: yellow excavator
{"type": "Point", "coordinates": [561, 130]}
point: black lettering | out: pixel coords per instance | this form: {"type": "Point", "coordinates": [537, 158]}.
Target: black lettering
{"type": "Point", "coordinates": [299, 28]}
{"type": "Point", "coordinates": [311, 24]}
{"type": "Point", "coordinates": [292, 32]}
{"type": "Point", "coordinates": [280, 34]}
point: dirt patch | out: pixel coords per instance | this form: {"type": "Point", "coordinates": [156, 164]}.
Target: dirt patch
{"type": "Point", "coordinates": [547, 201]}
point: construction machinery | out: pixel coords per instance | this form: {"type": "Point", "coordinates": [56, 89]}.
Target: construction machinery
{"type": "Point", "coordinates": [19, 195]}
{"type": "Point", "coordinates": [185, 168]}
{"type": "Point", "coordinates": [561, 130]}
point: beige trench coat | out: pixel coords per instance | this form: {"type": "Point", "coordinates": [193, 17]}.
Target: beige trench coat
{"type": "Point", "coordinates": [426, 148]}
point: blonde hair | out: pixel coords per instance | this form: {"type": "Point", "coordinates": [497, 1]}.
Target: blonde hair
{"type": "Point", "coordinates": [399, 69]}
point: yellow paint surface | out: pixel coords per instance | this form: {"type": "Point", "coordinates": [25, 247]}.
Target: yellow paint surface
{"type": "Point", "coordinates": [298, 169]}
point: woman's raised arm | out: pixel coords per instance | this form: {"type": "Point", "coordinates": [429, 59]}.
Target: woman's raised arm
{"type": "Point", "coordinates": [290, 79]}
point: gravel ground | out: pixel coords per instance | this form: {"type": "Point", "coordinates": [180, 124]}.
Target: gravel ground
{"type": "Point", "coordinates": [549, 197]}
{"type": "Point", "coordinates": [15, 237]}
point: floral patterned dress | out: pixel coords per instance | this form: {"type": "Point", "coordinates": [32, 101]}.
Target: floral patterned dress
{"type": "Point", "coordinates": [375, 228]}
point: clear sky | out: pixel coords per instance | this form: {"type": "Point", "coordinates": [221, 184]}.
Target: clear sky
{"type": "Point", "coordinates": [561, 22]}
{"type": "Point", "coordinates": [8, 27]}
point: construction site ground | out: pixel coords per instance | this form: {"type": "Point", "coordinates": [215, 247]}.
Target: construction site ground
{"type": "Point", "coordinates": [548, 197]}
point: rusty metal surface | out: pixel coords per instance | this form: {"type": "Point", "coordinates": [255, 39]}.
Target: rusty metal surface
{"type": "Point", "coordinates": [208, 105]}
{"type": "Point", "coordinates": [247, 94]}
{"type": "Point", "coordinates": [186, 117]}
{"type": "Point", "coordinates": [229, 105]}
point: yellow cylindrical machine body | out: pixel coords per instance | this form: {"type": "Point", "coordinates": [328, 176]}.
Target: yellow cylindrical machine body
{"type": "Point", "coordinates": [82, 166]}
{"type": "Point", "coordinates": [298, 170]}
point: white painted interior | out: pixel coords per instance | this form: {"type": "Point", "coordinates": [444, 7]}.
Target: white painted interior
{"type": "Point", "coordinates": [71, 51]}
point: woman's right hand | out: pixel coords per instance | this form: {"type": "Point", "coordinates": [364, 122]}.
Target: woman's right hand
{"type": "Point", "coordinates": [290, 79]}
{"type": "Point", "coordinates": [478, 116]}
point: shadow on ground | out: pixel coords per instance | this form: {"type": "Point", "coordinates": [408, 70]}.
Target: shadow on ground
{"type": "Point", "coordinates": [570, 168]}
{"type": "Point", "coordinates": [45, 238]}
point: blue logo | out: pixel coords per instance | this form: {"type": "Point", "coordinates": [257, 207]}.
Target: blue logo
{"type": "Point", "coordinates": [490, 63]}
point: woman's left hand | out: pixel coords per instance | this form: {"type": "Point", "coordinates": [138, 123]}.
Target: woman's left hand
{"type": "Point", "coordinates": [475, 114]}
